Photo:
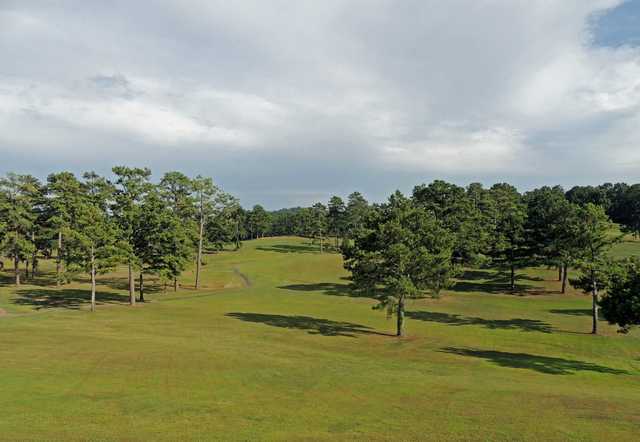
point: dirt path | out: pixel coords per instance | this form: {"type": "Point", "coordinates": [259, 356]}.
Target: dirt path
{"type": "Point", "coordinates": [245, 279]}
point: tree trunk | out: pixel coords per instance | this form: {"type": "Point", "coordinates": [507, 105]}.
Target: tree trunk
{"type": "Point", "coordinates": [59, 260]}
{"type": "Point", "coordinates": [199, 263]}
{"type": "Point", "coordinates": [33, 255]}
{"type": "Point", "coordinates": [594, 308]}
{"type": "Point", "coordinates": [175, 284]}
{"type": "Point", "coordinates": [564, 279]}
{"type": "Point", "coordinates": [16, 268]}
{"type": "Point", "coordinates": [237, 234]}
{"type": "Point", "coordinates": [141, 288]}
{"type": "Point", "coordinates": [26, 269]}
{"type": "Point", "coordinates": [400, 314]}
{"type": "Point", "coordinates": [93, 281]}
{"type": "Point", "coordinates": [132, 286]}
{"type": "Point", "coordinates": [321, 245]}
{"type": "Point", "coordinates": [513, 278]}
{"type": "Point", "coordinates": [560, 272]}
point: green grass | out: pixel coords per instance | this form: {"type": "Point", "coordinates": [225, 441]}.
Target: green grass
{"type": "Point", "coordinates": [277, 347]}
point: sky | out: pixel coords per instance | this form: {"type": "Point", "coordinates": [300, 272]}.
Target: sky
{"type": "Point", "coordinates": [286, 103]}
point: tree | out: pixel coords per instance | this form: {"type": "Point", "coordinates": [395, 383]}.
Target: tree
{"type": "Point", "coordinates": [258, 219]}
{"type": "Point", "coordinates": [621, 304]}
{"type": "Point", "coordinates": [319, 223]}
{"type": "Point", "coordinates": [457, 211]}
{"type": "Point", "coordinates": [337, 217]}
{"type": "Point", "coordinates": [357, 207]}
{"type": "Point", "coordinates": [628, 210]}
{"type": "Point", "coordinates": [19, 195]}
{"type": "Point", "coordinates": [92, 243]}
{"type": "Point", "coordinates": [161, 241]}
{"type": "Point", "coordinates": [549, 227]}
{"type": "Point", "coordinates": [509, 245]}
{"type": "Point", "coordinates": [63, 196]}
{"type": "Point", "coordinates": [206, 191]}
{"type": "Point", "coordinates": [225, 222]}
{"type": "Point", "coordinates": [401, 251]}
{"type": "Point", "coordinates": [593, 241]}
{"type": "Point", "coordinates": [131, 186]}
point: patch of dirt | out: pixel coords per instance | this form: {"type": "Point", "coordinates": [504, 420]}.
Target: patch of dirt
{"type": "Point", "coordinates": [3, 312]}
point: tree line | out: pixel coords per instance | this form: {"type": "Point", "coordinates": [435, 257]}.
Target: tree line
{"type": "Point", "coordinates": [403, 248]}
{"type": "Point", "coordinates": [91, 224]}
{"type": "Point", "coordinates": [414, 245]}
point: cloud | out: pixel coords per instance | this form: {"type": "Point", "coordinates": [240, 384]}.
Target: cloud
{"type": "Point", "coordinates": [317, 97]}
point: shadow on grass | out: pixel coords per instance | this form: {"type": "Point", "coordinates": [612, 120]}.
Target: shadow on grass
{"type": "Point", "coordinates": [72, 299]}
{"type": "Point", "coordinates": [572, 312]}
{"type": "Point", "coordinates": [314, 326]}
{"type": "Point", "coordinates": [542, 364]}
{"type": "Point", "coordinates": [290, 248]}
{"type": "Point", "coordinates": [528, 325]}
{"type": "Point", "coordinates": [327, 288]}
{"type": "Point", "coordinates": [42, 279]}
{"type": "Point", "coordinates": [493, 282]}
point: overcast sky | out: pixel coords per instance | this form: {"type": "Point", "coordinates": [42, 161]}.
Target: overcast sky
{"type": "Point", "coordinates": [287, 102]}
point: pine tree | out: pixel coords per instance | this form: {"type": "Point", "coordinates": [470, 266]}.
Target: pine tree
{"type": "Point", "coordinates": [401, 251]}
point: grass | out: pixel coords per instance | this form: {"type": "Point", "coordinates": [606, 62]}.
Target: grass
{"type": "Point", "coordinates": [276, 346]}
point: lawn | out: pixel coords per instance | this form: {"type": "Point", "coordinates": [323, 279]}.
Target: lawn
{"type": "Point", "coordinates": [276, 346]}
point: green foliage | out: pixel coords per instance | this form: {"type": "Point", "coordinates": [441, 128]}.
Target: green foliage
{"type": "Point", "coordinates": [161, 240]}
{"type": "Point", "coordinates": [259, 221]}
{"type": "Point", "coordinates": [337, 216]}
{"type": "Point", "coordinates": [621, 304]}
{"type": "Point", "coordinates": [19, 196]}
{"type": "Point", "coordinates": [357, 209]}
{"type": "Point", "coordinates": [509, 246]}
{"type": "Point", "coordinates": [401, 251]}
{"type": "Point", "coordinates": [462, 213]}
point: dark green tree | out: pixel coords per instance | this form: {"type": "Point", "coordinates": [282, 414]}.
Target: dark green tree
{"type": "Point", "coordinates": [131, 186]}
{"type": "Point", "coordinates": [509, 247]}
{"type": "Point", "coordinates": [337, 218]}
{"type": "Point", "coordinates": [401, 251]}
{"type": "Point", "coordinates": [19, 196]}
{"type": "Point", "coordinates": [92, 238]}
{"type": "Point", "coordinates": [319, 223]}
{"type": "Point", "coordinates": [593, 241]}
{"type": "Point", "coordinates": [357, 208]}
{"type": "Point", "coordinates": [64, 195]}
{"type": "Point", "coordinates": [161, 240]}
{"type": "Point", "coordinates": [621, 304]}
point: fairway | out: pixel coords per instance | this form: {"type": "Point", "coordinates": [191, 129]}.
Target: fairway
{"type": "Point", "coordinates": [276, 346]}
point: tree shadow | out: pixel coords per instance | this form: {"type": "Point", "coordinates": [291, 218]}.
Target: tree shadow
{"type": "Point", "coordinates": [327, 288]}
{"type": "Point", "coordinates": [493, 282]}
{"type": "Point", "coordinates": [314, 326]}
{"type": "Point", "coordinates": [72, 299]}
{"type": "Point", "coordinates": [541, 364]}
{"type": "Point", "coordinates": [290, 248]}
{"type": "Point", "coordinates": [42, 279]}
{"type": "Point", "coordinates": [572, 312]}
{"type": "Point", "coordinates": [493, 286]}
{"type": "Point", "coordinates": [528, 325]}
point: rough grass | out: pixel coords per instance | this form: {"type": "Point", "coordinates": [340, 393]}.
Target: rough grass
{"type": "Point", "coordinates": [278, 347]}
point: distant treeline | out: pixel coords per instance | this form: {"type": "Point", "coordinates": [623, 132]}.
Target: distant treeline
{"type": "Point", "coordinates": [620, 201]}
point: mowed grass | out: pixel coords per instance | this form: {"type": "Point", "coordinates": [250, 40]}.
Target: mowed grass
{"type": "Point", "coordinates": [276, 346]}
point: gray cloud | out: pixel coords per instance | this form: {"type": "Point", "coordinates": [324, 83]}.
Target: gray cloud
{"type": "Point", "coordinates": [286, 102]}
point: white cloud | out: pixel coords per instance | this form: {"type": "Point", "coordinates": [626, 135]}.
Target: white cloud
{"type": "Point", "coordinates": [426, 88]}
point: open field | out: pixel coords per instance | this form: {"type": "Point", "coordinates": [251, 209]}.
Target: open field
{"type": "Point", "coordinates": [277, 347]}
